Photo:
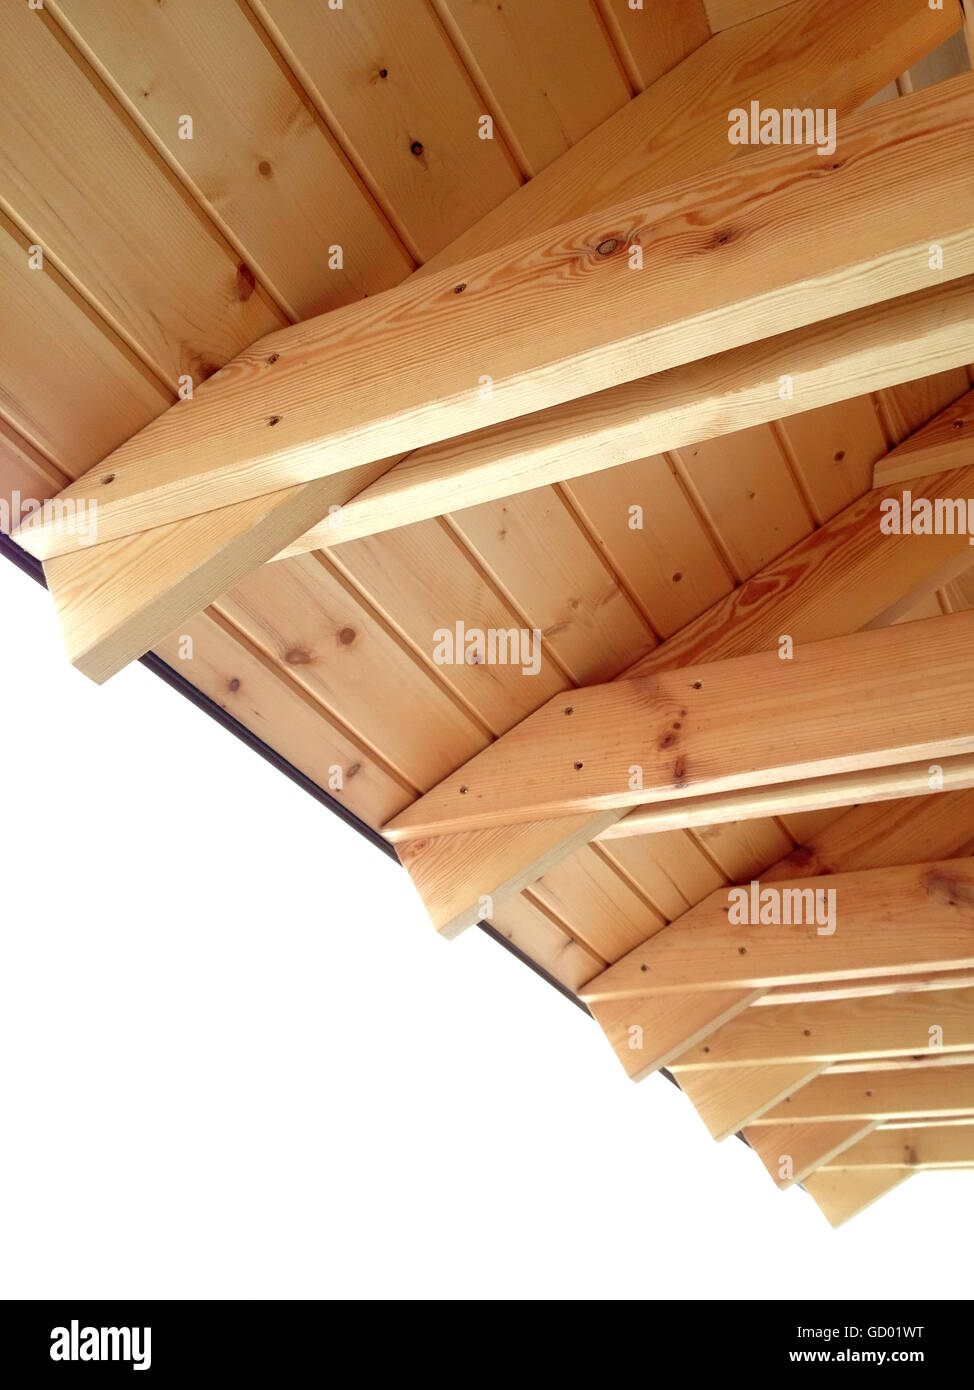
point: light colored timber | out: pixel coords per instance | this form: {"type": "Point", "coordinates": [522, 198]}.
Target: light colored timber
{"type": "Point", "coordinates": [947, 442]}
{"type": "Point", "coordinates": [791, 1152]}
{"type": "Point", "coordinates": [116, 599]}
{"type": "Point", "coordinates": [907, 920]}
{"type": "Point", "coordinates": [818, 993]}
{"type": "Point", "coordinates": [841, 1196]}
{"type": "Point", "coordinates": [651, 1032]}
{"type": "Point", "coordinates": [654, 1030]}
{"type": "Point", "coordinates": [888, 1094]}
{"type": "Point", "coordinates": [844, 577]}
{"type": "Point", "coordinates": [935, 1057]}
{"type": "Point", "coordinates": [682, 730]}
{"type": "Point", "coordinates": [879, 346]}
{"type": "Point", "coordinates": [841, 1029]}
{"type": "Point", "coordinates": [929, 1146]}
{"type": "Point", "coordinates": [407, 367]}
{"type": "Point", "coordinates": [842, 56]}
{"type": "Point", "coordinates": [843, 789]}
{"type": "Point", "coordinates": [727, 1100]}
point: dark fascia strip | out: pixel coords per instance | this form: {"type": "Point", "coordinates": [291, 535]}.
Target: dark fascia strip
{"type": "Point", "coordinates": [177, 682]}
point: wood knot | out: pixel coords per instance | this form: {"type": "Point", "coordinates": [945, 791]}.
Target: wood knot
{"type": "Point", "coordinates": [298, 656]}
{"type": "Point", "coordinates": [346, 636]}
{"type": "Point", "coordinates": [245, 282]}
{"type": "Point", "coordinates": [416, 148]}
{"type": "Point", "coordinates": [264, 169]}
{"type": "Point", "coordinates": [233, 684]}
{"type": "Point", "coordinates": [954, 889]}
{"type": "Point", "coordinates": [606, 247]}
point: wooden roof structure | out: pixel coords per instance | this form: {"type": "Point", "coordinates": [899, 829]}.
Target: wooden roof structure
{"type": "Point", "coordinates": [362, 326]}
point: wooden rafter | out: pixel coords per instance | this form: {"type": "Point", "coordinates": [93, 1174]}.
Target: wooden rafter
{"type": "Point", "coordinates": [930, 1146]}
{"type": "Point", "coordinates": [833, 1030]}
{"type": "Point", "coordinates": [115, 601]}
{"type": "Point", "coordinates": [842, 1195]}
{"type": "Point", "coordinates": [886, 1094]}
{"type": "Point", "coordinates": [663, 736]}
{"type": "Point", "coordinates": [407, 368]}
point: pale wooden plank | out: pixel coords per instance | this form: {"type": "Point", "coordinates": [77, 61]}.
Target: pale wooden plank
{"type": "Point", "coordinates": [879, 912]}
{"type": "Point", "coordinates": [681, 730]}
{"type": "Point", "coordinates": [828, 362]}
{"type": "Point", "coordinates": [841, 1196]}
{"type": "Point", "coordinates": [670, 869]}
{"type": "Point", "coordinates": [649, 531]}
{"type": "Point", "coordinates": [841, 1030]}
{"type": "Point", "coordinates": [888, 1094]}
{"type": "Point", "coordinates": [72, 165]}
{"type": "Point", "coordinates": [305, 619]}
{"type": "Point", "coordinates": [72, 390]}
{"type": "Point", "coordinates": [402, 369]}
{"type": "Point", "coordinates": [744, 487]}
{"type": "Point", "coordinates": [943, 442]}
{"type": "Point", "coordinates": [601, 910]}
{"type": "Point", "coordinates": [413, 133]}
{"type": "Point", "coordinates": [241, 680]}
{"type": "Point", "coordinates": [908, 407]}
{"type": "Point", "coordinates": [791, 1153]}
{"type": "Point", "coordinates": [654, 37]}
{"type": "Point", "coordinates": [403, 577]}
{"type": "Point", "coordinates": [930, 1146]}
{"type": "Point", "coordinates": [650, 1032]}
{"type": "Point", "coordinates": [820, 53]}
{"type": "Point", "coordinates": [259, 162]}
{"type": "Point", "coordinates": [834, 449]}
{"type": "Point", "coordinates": [830, 793]}
{"type": "Point", "coordinates": [727, 1100]}
{"type": "Point", "coordinates": [539, 556]}
{"type": "Point", "coordinates": [546, 68]}
{"type": "Point", "coordinates": [547, 943]}
{"type": "Point", "coordinates": [910, 831]}
{"type": "Point", "coordinates": [26, 476]}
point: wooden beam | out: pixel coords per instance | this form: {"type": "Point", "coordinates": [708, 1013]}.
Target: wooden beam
{"type": "Point", "coordinates": [682, 732]}
{"type": "Point", "coordinates": [844, 577]}
{"type": "Point", "coordinates": [880, 1026]}
{"type": "Point", "coordinates": [932, 1146]}
{"type": "Point", "coordinates": [841, 1196]}
{"type": "Point", "coordinates": [907, 920]}
{"type": "Point", "coordinates": [883, 345]}
{"type": "Point", "coordinates": [727, 1099]}
{"type": "Point", "coordinates": [946, 442]}
{"type": "Point", "coordinates": [790, 798]}
{"type": "Point", "coordinates": [651, 1032]}
{"type": "Point", "coordinates": [646, 1031]}
{"type": "Point", "coordinates": [115, 600]}
{"type": "Point", "coordinates": [408, 367]}
{"type": "Point", "coordinates": [791, 1152]}
{"type": "Point", "coordinates": [885, 1094]}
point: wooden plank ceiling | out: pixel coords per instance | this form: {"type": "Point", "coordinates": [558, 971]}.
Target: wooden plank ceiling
{"type": "Point", "coordinates": [312, 129]}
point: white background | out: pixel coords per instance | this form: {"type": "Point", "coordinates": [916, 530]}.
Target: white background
{"type": "Point", "coordinates": [236, 1061]}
